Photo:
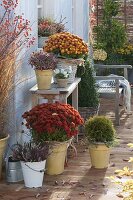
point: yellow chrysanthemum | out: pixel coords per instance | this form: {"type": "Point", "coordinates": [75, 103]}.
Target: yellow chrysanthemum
{"type": "Point", "coordinates": [99, 54]}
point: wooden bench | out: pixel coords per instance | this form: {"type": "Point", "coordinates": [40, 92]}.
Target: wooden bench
{"type": "Point", "coordinates": [112, 91]}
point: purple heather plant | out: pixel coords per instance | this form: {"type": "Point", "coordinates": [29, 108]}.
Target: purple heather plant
{"type": "Point", "coordinates": [30, 152]}
{"type": "Point", "coordinates": [43, 60]}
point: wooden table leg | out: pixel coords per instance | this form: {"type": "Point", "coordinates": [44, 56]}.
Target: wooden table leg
{"type": "Point", "coordinates": [34, 99]}
{"type": "Point", "coordinates": [75, 98]}
{"type": "Point", "coordinates": [75, 103]}
{"type": "Point", "coordinates": [63, 98]}
{"type": "Point", "coordinates": [117, 114]}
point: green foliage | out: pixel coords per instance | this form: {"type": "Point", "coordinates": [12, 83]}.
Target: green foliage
{"type": "Point", "coordinates": [111, 34]}
{"type": "Point", "coordinates": [100, 129]}
{"type": "Point", "coordinates": [88, 96]}
{"type": "Point", "coordinates": [59, 136]}
{"type": "Point", "coordinates": [60, 76]}
{"type": "Point", "coordinates": [111, 9]}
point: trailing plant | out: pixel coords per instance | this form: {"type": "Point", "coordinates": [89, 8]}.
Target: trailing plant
{"type": "Point", "coordinates": [43, 60]}
{"type": "Point", "coordinates": [87, 95]}
{"type": "Point", "coordinates": [100, 129]}
{"type": "Point", "coordinates": [52, 122]}
{"type": "Point", "coordinates": [30, 152]}
{"type": "Point", "coordinates": [110, 34]}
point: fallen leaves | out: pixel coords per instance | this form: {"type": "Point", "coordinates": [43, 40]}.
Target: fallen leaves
{"type": "Point", "coordinates": [126, 171]}
{"type": "Point", "coordinates": [120, 195]}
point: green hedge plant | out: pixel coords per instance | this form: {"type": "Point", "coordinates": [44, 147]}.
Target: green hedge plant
{"type": "Point", "coordinates": [100, 129]}
{"type": "Point", "coordinates": [87, 95]}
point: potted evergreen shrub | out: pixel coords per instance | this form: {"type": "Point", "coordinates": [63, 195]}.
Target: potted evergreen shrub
{"type": "Point", "coordinates": [57, 123]}
{"type": "Point", "coordinates": [43, 64]}
{"type": "Point", "coordinates": [101, 135]}
{"type": "Point", "coordinates": [33, 158]}
{"type": "Point", "coordinates": [87, 95]}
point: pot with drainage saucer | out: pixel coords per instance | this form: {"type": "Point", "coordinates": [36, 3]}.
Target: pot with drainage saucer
{"type": "Point", "coordinates": [33, 158]}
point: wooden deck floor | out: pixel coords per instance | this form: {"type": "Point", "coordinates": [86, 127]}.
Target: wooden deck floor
{"type": "Point", "coordinates": [79, 181]}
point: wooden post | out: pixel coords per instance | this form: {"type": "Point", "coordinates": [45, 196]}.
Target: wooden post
{"type": "Point", "coordinates": [117, 117]}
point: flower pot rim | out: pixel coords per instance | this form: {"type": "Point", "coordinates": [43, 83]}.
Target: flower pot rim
{"type": "Point", "coordinates": [33, 161]}
{"type": "Point", "coordinates": [98, 143]}
{"type": "Point", "coordinates": [6, 137]}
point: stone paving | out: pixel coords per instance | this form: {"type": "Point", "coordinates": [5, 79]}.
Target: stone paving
{"type": "Point", "coordinates": [79, 181]}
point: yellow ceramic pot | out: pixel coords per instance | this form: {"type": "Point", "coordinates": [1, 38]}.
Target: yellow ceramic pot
{"type": "Point", "coordinates": [99, 155]}
{"type": "Point", "coordinates": [3, 143]}
{"type": "Point", "coordinates": [44, 79]}
{"type": "Point", "coordinates": [56, 160]}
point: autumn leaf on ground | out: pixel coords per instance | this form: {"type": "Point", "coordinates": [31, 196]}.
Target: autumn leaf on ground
{"type": "Point", "coordinates": [120, 195]}
{"type": "Point", "coordinates": [128, 186]}
{"type": "Point", "coordinates": [126, 171]}
{"type": "Point", "coordinates": [130, 159]}
{"type": "Point", "coordinates": [130, 145]}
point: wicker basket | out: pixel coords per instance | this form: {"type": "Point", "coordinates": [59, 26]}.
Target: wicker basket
{"type": "Point", "coordinates": [65, 63]}
{"type": "Point", "coordinates": [86, 113]}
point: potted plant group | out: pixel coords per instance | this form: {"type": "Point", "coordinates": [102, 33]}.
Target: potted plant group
{"type": "Point", "coordinates": [56, 123]}
{"type": "Point", "coordinates": [101, 136]}
{"type": "Point", "coordinates": [62, 76]}
{"type": "Point", "coordinates": [43, 63]}
{"type": "Point", "coordinates": [47, 27]}
{"type": "Point", "coordinates": [70, 49]}
{"type": "Point", "coordinates": [33, 158]}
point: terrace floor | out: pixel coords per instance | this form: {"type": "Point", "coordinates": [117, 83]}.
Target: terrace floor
{"type": "Point", "coordinates": [79, 180]}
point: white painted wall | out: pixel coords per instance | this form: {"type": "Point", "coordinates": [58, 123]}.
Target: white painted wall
{"type": "Point", "coordinates": [75, 11]}
{"type": "Point", "coordinates": [25, 75]}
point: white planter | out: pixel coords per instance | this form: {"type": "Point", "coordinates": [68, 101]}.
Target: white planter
{"type": "Point", "coordinates": [41, 41]}
{"type": "Point", "coordinates": [65, 63]}
{"type": "Point", "coordinates": [33, 173]}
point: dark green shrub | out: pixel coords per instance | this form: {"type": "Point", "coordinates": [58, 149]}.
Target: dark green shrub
{"type": "Point", "coordinates": [99, 129]}
{"type": "Point", "coordinates": [87, 95]}
{"type": "Point", "coordinates": [110, 34]}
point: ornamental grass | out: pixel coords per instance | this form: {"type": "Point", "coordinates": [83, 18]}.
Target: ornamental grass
{"type": "Point", "coordinates": [14, 35]}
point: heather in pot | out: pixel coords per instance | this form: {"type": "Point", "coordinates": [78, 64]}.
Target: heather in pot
{"type": "Point", "coordinates": [33, 159]}
{"type": "Point", "coordinates": [48, 26]}
{"type": "Point", "coordinates": [30, 152]}
{"type": "Point", "coordinates": [43, 60]}
{"type": "Point", "coordinates": [44, 63]}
